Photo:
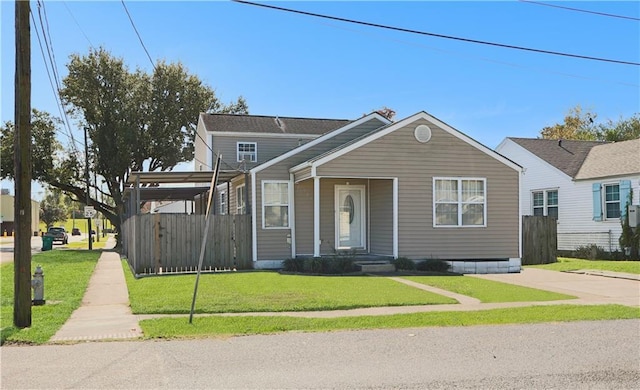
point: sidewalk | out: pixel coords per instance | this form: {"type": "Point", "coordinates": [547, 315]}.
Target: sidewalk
{"type": "Point", "coordinates": [105, 313]}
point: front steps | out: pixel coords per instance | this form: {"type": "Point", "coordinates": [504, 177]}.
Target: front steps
{"type": "Point", "coordinates": [372, 267]}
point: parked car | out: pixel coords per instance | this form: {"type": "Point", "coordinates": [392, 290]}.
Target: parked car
{"type": "Point", "coordinates": [58, 234]}
{"type": "Point", "coordinates": [75, 232]}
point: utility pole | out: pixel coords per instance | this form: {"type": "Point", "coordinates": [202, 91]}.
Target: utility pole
{"type": "Point", "coordinates": [86, 176]}
{"type": "Point", "coordinates": [22, 167]}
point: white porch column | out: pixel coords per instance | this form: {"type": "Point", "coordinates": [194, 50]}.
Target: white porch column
{"type": "Point", "coordinates": [292, 214]}
{"type": "Point", "coordinates": [316, 217]}
{"type": "Point", "coordinates": [395, 218]}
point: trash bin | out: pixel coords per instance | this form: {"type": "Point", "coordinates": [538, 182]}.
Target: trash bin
{"type": "Point", "coordinates": [47, 243]}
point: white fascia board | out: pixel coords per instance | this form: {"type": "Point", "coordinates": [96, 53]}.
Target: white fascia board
{"type": "Point", "coordinates": [413, 118]}
{"type": "Point", "coordinates": [541, 160]}
{"type": "Point", "coordinates": [322, 138]}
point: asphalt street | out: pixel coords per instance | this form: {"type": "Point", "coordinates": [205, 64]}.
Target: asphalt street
{"type": "Point", "coordinates": [575, 355]}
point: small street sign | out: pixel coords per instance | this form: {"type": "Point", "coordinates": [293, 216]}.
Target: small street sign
{"type": "Point", "coordinates": [89, 212]}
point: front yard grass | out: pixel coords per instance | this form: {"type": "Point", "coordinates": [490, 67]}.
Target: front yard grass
{"type": "Point", "coordinates": [224, 326]}
{"type": "Point", "coordinates": [66, 276]}
{"type": "Point", "coordinates": [488, 291]}
{"type": "Point", "coordinates": [241, 292]}
{"type": "Point", "coordinates": [569, 264]}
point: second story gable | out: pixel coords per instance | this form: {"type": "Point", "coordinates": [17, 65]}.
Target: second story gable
{"type": "Point", "coordinates": [246, 141]}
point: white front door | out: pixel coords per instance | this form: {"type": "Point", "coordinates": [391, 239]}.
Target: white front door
{"type": "Point", "coordinates": [350, 217]}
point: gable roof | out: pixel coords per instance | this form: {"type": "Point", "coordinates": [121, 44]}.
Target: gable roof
{"type": "Point", "coordinates": [565, 155]}
{"type": "Point", "coordinates": [240, 123]}
{"type": "Point", "coordinates": [316, 146]}
{"type": "Point", "coordinates": [614, 159]}
{"type": "Point", "coordinates": [384, 130]}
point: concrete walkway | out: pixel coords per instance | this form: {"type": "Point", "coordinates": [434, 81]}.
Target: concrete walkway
{"type": "Point", "coordinates": [105, 313]}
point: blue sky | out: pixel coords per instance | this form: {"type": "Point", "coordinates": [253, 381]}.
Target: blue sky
{"type": "Point", "coordinates": [293, 65]}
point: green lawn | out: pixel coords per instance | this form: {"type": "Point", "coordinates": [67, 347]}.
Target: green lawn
{"type": "Point", "coordinates": [239, 292]}
{"type": "Point", "coordinates": [568, 264]}
{"type": "Point", "coordinates": [245, 325]}
{"type": "Point", "coordinates": [66, 276]}
{"type": "Point", "coordinates": [488, 291]}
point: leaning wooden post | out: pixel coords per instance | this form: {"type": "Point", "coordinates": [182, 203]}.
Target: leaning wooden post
{"type": "Point", "coordinates": [214, 181]}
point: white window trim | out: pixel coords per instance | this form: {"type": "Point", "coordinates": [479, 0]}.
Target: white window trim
{"type": "Point", "coordinates": [603, 197]}
{"type": "Point", "coordinates": [244, 203]}
{"type": "Point", "coordinates": [289, 188]}
{"type": "Point", "coordinates": [545, 202]}
{"type": "Point", "coordinates": [223, 206]}
{"type": "Point", "coordinates": [255, 153]}
{"type": "Point", "coordinates": [460, 225]}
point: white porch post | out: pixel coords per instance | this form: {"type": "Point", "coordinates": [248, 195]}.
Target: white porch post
{"type": "Point", "coordinates": [395, 218]}
{"type": "Point", "coordinates": [292, 214]}
{"type": "Point", "coordinates": [316, 217]}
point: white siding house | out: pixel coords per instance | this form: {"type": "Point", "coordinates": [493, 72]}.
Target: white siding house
{"type": "Point", "coordinates": [576, 181]}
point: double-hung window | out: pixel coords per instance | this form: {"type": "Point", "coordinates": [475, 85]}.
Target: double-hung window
{"type": "Point", "coordinates": [459, 202]}
{"type": "Point", "coordinates": [545, 202]}
{"type": "Point", "coordinates": [611, 201]}
{"type": "Point", "coordinates": [247, 151]}
{"type": "Point", "coordinates": [241, 196]}
{"type": "Point", "coordinates": [275, 204]}
{"type": "Point", "coordinates": [223, 203]}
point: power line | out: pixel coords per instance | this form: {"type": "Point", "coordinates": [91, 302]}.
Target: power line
{"type": "Point", "coordinates": [78, 24]}
{"type": "Point", "coordinates": [138, 34]}
{"type": "Point", "coordinates": [55, 89]}
{"type": "Point", "coordinates": [154, 67]}
{"type": "Point", "coordinates": [580, 10]}
{"type": "Point", "coordinates": [468, 40]}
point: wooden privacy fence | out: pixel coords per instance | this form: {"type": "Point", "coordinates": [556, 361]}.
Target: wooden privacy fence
{"type": "Point", "coordinates": [539, 240]}
{"type": "Point", "coordinates": [170, 243]}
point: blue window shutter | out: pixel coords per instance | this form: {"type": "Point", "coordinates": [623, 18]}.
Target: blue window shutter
{"type": "Point", "coordinates": [597, 202]}
{"type": "Point", "coordinates": [625, 189]}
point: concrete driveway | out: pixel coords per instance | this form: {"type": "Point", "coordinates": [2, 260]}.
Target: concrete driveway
{"type": "Point", "coordinates": [595, 287]}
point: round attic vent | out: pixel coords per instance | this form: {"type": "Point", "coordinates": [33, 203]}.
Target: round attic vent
{"type": "Point", "coordinates": [422, 133]}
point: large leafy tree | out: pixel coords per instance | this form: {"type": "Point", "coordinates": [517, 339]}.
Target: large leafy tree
{"type": "Point", "coordinates": [581, 124]}
{"type": "Point", "coordinates": [53, 208]}
{"type": "Point", "coordinates": [135, 121]}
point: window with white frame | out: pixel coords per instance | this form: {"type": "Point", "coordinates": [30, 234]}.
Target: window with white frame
{"type": "Point", "coordinates": [612, 201]}
{"type": "Point", "coordinates": [223, 203]}
{"type": "Point", "coordinates": [545, 203]}
{"type": "Point", "coordinates": [241, 196]}
{"type": "Point", "coordinates": [247, 151]}
{"type": "Point", "coordinates": [459, 202]}
{"type": "Point", "coordinates": [275, 204]}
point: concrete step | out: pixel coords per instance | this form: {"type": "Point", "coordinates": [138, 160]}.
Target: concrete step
{"type": "Point", "coordinates": [377, 267]}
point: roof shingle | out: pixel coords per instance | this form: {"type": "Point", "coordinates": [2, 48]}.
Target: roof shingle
{"type": "Point", "coordinates": [615, 159]}
{"type": "Point", "coordinates": [270, 124]}
{"type": "Point", "coordinates": [566, 155]}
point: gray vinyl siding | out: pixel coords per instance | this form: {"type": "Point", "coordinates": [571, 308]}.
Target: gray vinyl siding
{"type": "Point", "coordinates": [303, 174]}
{"type": "Point", "coordinates": [415, 164]}
{"type": "Point", "coordinates": [381, 217]}
{"type": "Point", "coordinates": [267, 147]}
{"type": "Point", "coordinates": [327, 145]}
{"type": "Point", "coordinates": [304, 217]}
{"type": "Point", "coordinates": [233, 204]}
{"type": "Point", "coordinates": [271, 243]}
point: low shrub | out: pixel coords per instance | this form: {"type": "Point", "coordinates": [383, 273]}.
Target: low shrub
{"type": "Point", "coordinates": [433, 265]}
{"type": "Point", "coordinates": [404, 263]}
{"type": "Point", "coordinates": [293, 265]}
{"type": "Point", "coordinates": [320, 265]}
{"type": "Point", "coordinates": [590, 252]}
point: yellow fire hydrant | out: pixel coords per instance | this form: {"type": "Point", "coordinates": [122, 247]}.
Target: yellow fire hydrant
{"type": "Point", "coordinates": [37, 284]}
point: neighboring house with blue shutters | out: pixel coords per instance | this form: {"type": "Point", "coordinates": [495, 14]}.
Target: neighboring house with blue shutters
{"type": "Point", "coordinates": [584, 184]}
